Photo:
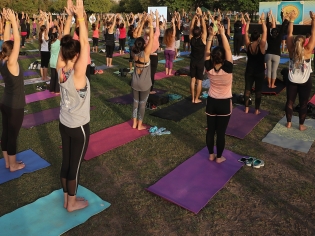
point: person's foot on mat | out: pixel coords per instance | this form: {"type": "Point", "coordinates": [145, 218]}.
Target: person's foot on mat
{"type": "Point", "coordinates": [77, 205]}
{"type": "Point", "coordinates": [142, 127]}
{"type": "Point", "coordinates": [152, 92]}
{"type": "Point", "coordinates": [197, 101]}
{"type": "Point", "coordinates": [246, 109]}
{"type": "Point", "coordinates": [65, 205]}
{"type": "Point", "coordinates": [273, 86]}
{"type": "Point", "coordinates": [212, 157]}
{"type": "Point", "coordinates": [7, 165]}
{"type": "Point", "coordinates": [220, 159]}
{"type": "Point", "coordinates": [288, 125]}
{"type": "Point", "coordinates": [17, 166]}
{"type": "Point", "coordinates": [302, 127]}
{"type": "Point", "coordinates": [257, 112]}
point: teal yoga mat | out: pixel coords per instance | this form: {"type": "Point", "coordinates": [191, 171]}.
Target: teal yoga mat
{"type": "Point", "coordinates": [177, 59]}
{"type": "Point", "coordinates": [46, 216]}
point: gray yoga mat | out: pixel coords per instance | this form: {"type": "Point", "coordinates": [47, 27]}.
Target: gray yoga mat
{"type": "Point", "coordinates": [292, 138]}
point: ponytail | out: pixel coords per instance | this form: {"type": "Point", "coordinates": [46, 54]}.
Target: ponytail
{"type": "Point", "coordinates": [298, 53]}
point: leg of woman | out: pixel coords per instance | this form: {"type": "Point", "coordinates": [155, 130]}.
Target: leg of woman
{"type": "Point", "coordinates": [234, 45]}
{"type": "Point", "coordinates": [249, 81]}
{"type": "Point", "coordinates": [292, 90]}
{"type": "Point", "coordinates": [111, 55]}
{"type": "Point", "coordinates": [166, 55]}
{"type": "Point", "coordinates": [238, 44]}
{"type": "Point", "coordinates": [304, 91]}
{"type": "Point", "coordinates": [211, 123]}
{"type": "Point", "coordinates": [259, 80]}
{"type": "Point", "coordinates": [23, 40]}
{"type": "Point", "coordinates": [107, 55]}
{"type": "Point", "coordinates": [172, 55]}
{"type": "Point", "coordinates": [53, 80]}
{"type": "Point", "coordinates": [274, 68]}
{"type": "Point", "coordinates": [136, 97]}
{"type": "Point", "coordinates": [130, 59]}
{"type": "Point", "coordinates": [153, 63]}
{"type": "Point", "coordinates": [4, 135]}
{"type": "Point", "coordinates": [123, 45]}
{"type": "Point", "coordinates": [142, 103]}
{"type": "Point", "coordinates": [221, 125]}
{"type": "Point", "coordinates": [87, 72]}
{"type": "Point", "coordinates": [268, 65]}
{"type": "Point", "coordinates": [120, 46]}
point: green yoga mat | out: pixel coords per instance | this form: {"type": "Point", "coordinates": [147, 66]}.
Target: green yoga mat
{"type": "Point", "coordinates": [292, 138]}
{"type": "Point", "coordinates": [46, 216]}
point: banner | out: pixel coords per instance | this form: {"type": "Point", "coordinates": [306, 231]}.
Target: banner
{"type": "Point", "coordinates": [281, 9]}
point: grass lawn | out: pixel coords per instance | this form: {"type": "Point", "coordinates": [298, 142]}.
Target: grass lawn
{"type": "Point", "coordinates": [277, 199]}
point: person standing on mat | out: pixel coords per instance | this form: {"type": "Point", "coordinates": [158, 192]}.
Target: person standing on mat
{"type": "Point", "coordinates": [273, 52]}
{"type": "Point", "coordinates": [197, 37]}
{"type": "Point", "coordinates": [255, 68]}
{"type": "Point", "coordinates": [169, 52]}
{"type": "Point", "coordinates": [219, 66]}
{"type": "Point", "coordinates": [237, 38]}
{"type": "Point", "coordinates": [300, 68]}
{"type": "Point", "coordinates": [13, 100]}
{"type": "Point", "coordinates": [110, 40]}
{"type": "Point", "coordinates": [141, 78]}
{"type": "Point", "coordinates": [44, 50]}
{"type": "Point", "coordinates": [74, 105]}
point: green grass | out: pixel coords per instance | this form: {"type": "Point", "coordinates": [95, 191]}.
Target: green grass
{"type": "Point", "coordinates": [275, 200]}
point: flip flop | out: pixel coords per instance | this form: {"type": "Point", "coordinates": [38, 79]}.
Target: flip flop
{"type": "Point", "coordinates": [258, 163]}
{"type": "Point", "coordinates": [249, 161]}
{"type": "Point", "coordinates": [243, 160]}
{"type": "Point", "coordinates": [153, 129]}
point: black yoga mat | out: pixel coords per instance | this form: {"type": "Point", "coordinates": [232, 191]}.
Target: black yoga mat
{"type": "Point", "coordinates": [273, 91]}
{"type": "Point", "coordinates": [179, 110]}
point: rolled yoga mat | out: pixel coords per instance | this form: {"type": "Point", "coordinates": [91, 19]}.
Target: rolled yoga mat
{"type": "Point", "coordinates": [26, 73]}
{"type": "Point", "coordinates": [38, 96]}
{"type": "Point", "coordinates": [111, 138]}
{"type": "Point", "coordinates": [47, 216]}
{"type": "Point", "coordinates": [193, 183]}
{"type": "Point", "coordinates": [242, 123]}
{"type": "Point", "coordinates": [32, 163]}
{"type": "Point", "coordinates": [179, 110]}
{"type": "Point", "coordinates": [128, 98]}
{"type": "Point", "coordinates": [292, 138]}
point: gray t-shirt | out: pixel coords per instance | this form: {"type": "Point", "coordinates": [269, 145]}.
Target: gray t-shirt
{"type": "Point", "coordinates": [74, 104]}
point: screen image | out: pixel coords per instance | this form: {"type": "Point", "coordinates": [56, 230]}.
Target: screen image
{"type": "Point", "coordinates": [162, 11]}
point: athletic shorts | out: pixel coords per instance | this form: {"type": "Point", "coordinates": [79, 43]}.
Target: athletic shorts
{"type": "Point", "coordinates": [186, 39]}
{"type": "Point", "coordinates": [196, 70]}
{"type": "Point", "coordinates": [219, 107]}
{"type": "Point", "coordinates": [177, 44]}
{"type": "Point", "coordinates": [44, 59]}
{"type": "Point", "coordinates": [95, 42]}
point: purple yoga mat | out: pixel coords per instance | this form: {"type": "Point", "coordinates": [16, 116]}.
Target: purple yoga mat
{"type": "Point", "coordinates": [111, 138]}
{"type": "Point", "coordinates": [26, 73]}
{"type": "Point", "coordinates": [193, 183]}
{"type": "Point", "coordinates": [241, 123]}
{"type": "Point", "coordinates": [161, 75]}
{"type": "Point", "coordinates": [128, 99]}
{"type": "Point", "coordinates": [34, 97]}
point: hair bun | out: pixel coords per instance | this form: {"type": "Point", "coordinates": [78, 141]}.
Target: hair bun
{"type": "Point", "coordinates": [66, 40]}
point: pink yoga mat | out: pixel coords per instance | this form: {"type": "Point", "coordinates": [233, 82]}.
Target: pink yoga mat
{"type": "Point", "coordinates": [193, 183]}
{"type": "Point", "coordinates": [111, 138]}
{"type": "Point", "coordinates": [34, 97]}
{"type": "Point", "coordinates": [312, 101]}
{"type": "Point", "coordinates": [161, 75]}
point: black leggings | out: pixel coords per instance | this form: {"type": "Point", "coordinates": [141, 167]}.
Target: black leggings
{"type": "Point", "coordinates": [304, 91]}
{"type": "Point", "coordinates": [110, 51]}
{"type": "Point", "coordinates": [122, 43]}
{"type": "Point", "coordinates": [238, 41]}
{"type": "Point", "coordinates": [23, 40]}
{"type": "Point", "coordinates": [74, 145]}
{"type": "Point", "coordinates": [153, 63]}
{"type": "Point", "coordinates": [250, 79]}
{"type": "Point", "coordinates": [218, 123]}
{"type": "Point", "coordinates": [12, 120]}
{"type": "Point", "coordinates": [54, 85]}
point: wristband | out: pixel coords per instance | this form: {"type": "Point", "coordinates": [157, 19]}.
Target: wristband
{"type": "Point", "coordinates": [8, 22]}
{"type": "Point", "coordinates": [291, 21]}
{"type": "Point", "coordinates": [80, 19]}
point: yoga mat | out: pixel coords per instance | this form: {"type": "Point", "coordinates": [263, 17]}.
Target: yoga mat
{"type": "Point", "coordinates": [29, 56]}
{"type": "Point", "coordinates": [32, 163]}
{"type": "Point", "coordinates": [312, 101]}
{"type": "Point", "coordinates": [234, 58]}
{"type": "Point", "coordinates": [38, 96]}
{"type": "Point", "coordinates": [177, 59]}
{"type": "Point", "coordinates": [241, 123]}
{"type": "Point", "coordinates": [46, 216]}
{"type": "Point", "coordinates": [161, 75]}
{"type": "Point", "coordinates": [273, 91]}
{"type": "Point", "coordinates": [104, 67]}
{"type": "Point", "coordinates": [111, 138]}
{"type": "Point", "coordinates": [292, 138]}
{"type": "Point", "coordinates": [26, 73]}
{"type": "Point", "coordinates": [185, 53]}
{"type": "Point", "coordinates": [128, 98]}
{"type": "Point", "coordinates": [193, 183]}
{"type": "Point", "coordinates": [32, 50]}
{"type": "Point", "coordinates": [284, 60]}
{"type": "Point", "coordinates": [179, 110]}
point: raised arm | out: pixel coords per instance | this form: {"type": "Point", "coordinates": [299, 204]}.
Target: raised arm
{"type": "Point", "coordinates": [173, 26]}
{"type": "Point", "coordinates": [246, 38]}
{"type": "Point", "coordinates": [290, 38]}
{"type": "Point", "coordinates": [208, 45]}
{"type": "Point", "coordinates": [204, 29]}
{"type": "Point", "coordinates": [192, 25]}
{"type": "Point", "coordinates": [225, 43]}
{"type": "Point", "coordinates": [311, 43]}
{"type": "Point", "coordinates": [12, 62]}
{"type": "Point", "coordinates": [138, 31]}
{"type": "Point", "coordinates": [111, 29]}
{"type": "Point", "coordinates": [68, 9]}
{"type": "Point", "coordinates": [264, 34]}
{"type": "Point", "coordinates": [148, 48]}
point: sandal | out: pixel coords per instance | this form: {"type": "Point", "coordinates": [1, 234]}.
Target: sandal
{"type": "Point", "coordinates": [258, 163]}
{"type": "Point", "coordinates": [250, 161]}
{"type": "Point", "coordinates": [243, 160]}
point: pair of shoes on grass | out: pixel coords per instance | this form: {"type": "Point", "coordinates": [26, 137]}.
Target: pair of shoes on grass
{"type": "Point", "coordinates": [158, 131]}
{"type": "Point", "coordinates": [98, 72]}
{"type": "Point", "coordinates": [252, 161]}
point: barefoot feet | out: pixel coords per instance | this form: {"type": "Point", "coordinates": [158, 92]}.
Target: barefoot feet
{"type": "Point", "coordinates": [302, 127]}
{"type": "Point", "coordinates": [246, 109]}
{"type": "Point", "coordinates": [197, 101]}
{"type": "Point", "coordinates": [257, 112]}
{"type": "Point", "coordinates": [17, 166]}
{"type": "Point", "coordinates": [212, 157]}
{"type": "Point", "coordinates": [288, 125]}
{"type": "Point", "coordinates": [220, 159]}
{"type": "Point", "coordinates": [77, 205]}
{"type": "Point", "coordinates": [141, 127]}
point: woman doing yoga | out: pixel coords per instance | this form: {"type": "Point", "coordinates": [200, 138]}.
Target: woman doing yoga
{"type": "Point", "coordinates": [219, 66]}
{"type": "Point", "coordinates": [300, 68]}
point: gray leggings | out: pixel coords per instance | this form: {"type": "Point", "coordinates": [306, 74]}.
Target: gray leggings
{"type": "Point", "coordinates": [139, 101]}
{"type": "Point", "coordinates": [272, 62]}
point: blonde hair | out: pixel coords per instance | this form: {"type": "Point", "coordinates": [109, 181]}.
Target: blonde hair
{"type": "Point", "coordinates": [298, 54]}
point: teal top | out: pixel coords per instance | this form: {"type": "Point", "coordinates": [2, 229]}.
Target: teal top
{"type": "Point", "coordinates": [54, 52]}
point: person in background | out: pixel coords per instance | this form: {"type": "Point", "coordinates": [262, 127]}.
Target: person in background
{"type": "Point", "coordinates": [110, 40]}
{"type": "Point", "coordinates": [23, 29]}
{"type": "Point", "coordinates": [122, 37]}
{"type": "Point", "coordinates": [169, 52]}
{"type": "Point", "coordinates": [44, 50]}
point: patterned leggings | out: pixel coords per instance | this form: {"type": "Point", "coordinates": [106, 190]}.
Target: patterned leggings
{"type": "Point", "coordinates": [139, 101]}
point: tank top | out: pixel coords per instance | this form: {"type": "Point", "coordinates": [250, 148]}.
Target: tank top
{"type": "Point", "coordinates": [122, 33]}
{"type": "Point", "coordinates": [74, 108]}
{"type": "Point", "coordinates": [14, 95]}
{"type": "Point", "coordinates": [162, 32]}
{"type": "Point", "coordinates": [197, 50]}
{"type": "Point", "coordinates": [143, 81]}
{"type": "Point", "coordinates": [256, 60]}
{"type": "Point", "coordinates": [44, 45]}
{"type": "Point", "coordinates": [109, 39]}
{"type": "Point", "coordinates": [302, 73]}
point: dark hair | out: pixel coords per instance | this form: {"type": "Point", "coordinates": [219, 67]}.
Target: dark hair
{"type": "Point", "coordinates": [130, 20]}
{"type": "Point", "coordinates": [93, 26]}
{"type": "Point", "coordinates": [218, 55]}
{"type": "Point", "coordinates": [138, 46]}
{"type": "Point", "coordinates": [254, 36]}
{"type": "Point", "coordinates": [52, 38]}
{"type": "Point", "coordinates": [130, 31]}
{"type": "Point", "coordinates": [196, 31]}
{"type": "Point", "coordinates": [274, 33]}
{"type": "Point", "coordinates": [307, 35]}
{"type": "Point", "coordinates": [69, 47]}
{"type": "Point", "coordinates": [7, 48]}
{"type": "Point", "coordinates": [121, 26]}
{"type": "Point", "coordinates": [40, 35]}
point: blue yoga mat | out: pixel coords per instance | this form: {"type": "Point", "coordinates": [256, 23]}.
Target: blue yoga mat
{"type": "Point", "coordinates": [284, 60]}
{"type": "Point", "coordinates": [32, 163]}
{"type": "Point", "coordinates": [177, 59]}
{"type": "Point", "coordinates": [46, 216]}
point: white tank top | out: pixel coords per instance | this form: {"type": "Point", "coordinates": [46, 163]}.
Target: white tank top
{"type": "Point", "coordinates": [44, 45]}
{"type": "Point", "coordinates": [301, 74]}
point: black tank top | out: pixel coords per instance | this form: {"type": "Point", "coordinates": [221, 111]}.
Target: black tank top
{"type": "Point", "coordinates": [197, 50]}
{"type": "Point", "coordinates": [109, 39]}
{"type": "Point", "coordinates": [14, 95]}
{"type": "Point", "coordinates": [256, 60]}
